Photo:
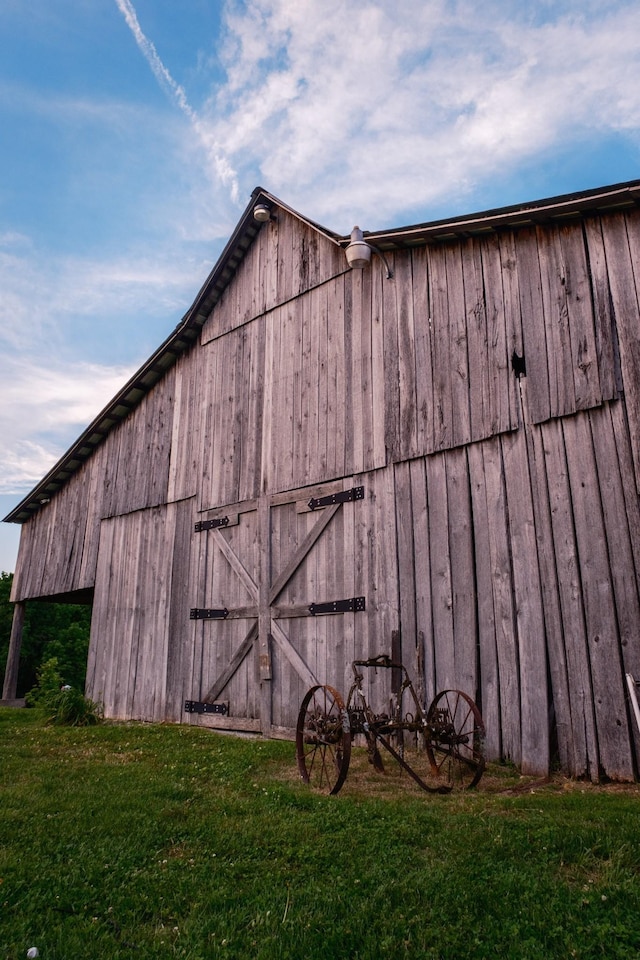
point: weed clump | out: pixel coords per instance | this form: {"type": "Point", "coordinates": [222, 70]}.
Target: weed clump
{"type": "Point", "coordinates": [62, 704]}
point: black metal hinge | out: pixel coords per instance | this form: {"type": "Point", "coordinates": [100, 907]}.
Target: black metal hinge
{"type": "Point", "coordinates": [211, 524]}
{"type": "Point", "coordinates": [198, 613]}
{"type": "Point", "coordinates": [354, 605]}
{"type": "Point", "coordinates": [345, 496]}
{"type": "Point", "coordinates": [196, 706]}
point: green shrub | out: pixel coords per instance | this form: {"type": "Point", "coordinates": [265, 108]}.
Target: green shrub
{"type": "Point", "coordinates": [72, 708]}
{"type": "Point", "coordinates": [48, 684]}
{"type": "Point", "coordinates": [63, 704]}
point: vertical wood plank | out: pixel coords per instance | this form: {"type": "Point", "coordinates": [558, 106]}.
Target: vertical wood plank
{"type": "Point", "coordinates": [441, 589]}
{"type": "Point", "coordinates": [532, 308]}
{"type": "Point", "coordinates": [605, 332]}
{"type": "Point", "coordinates": [458, 347]}
{"type": "Point", "coordinates": [406, 567]}
{"type": "Point", "coordinates": [599, 608]}
{"type": "Point", "coordinates": [379, 451]}
{"type": "Point", "coordinates": [357, 373]}
{"type": "Point", "coordinates": [556, 321]}
{"type": "Point", "coordinates": [583, 729]}
{"type": "Point", "coordinates": [488, 688]}
{"type": "Point", "coordinates": [270, 258]}
{"type": "Point", "coordinates": [403, 280]}
{"type": "Point", "coordinates": [366, 373]}
{"type": "Point", "coordinates": [209, 479]}
{"type": "Point", "coordinates": [630, 651]}
{"type": "Point", "coordinates": [506, 344]}
{"type": "Point", "coordinates": [382, 584]}
{"type": "Point", "coordinates": [285, 257]}
{"type": "Point", "coordinates": [572, 755]}
{"type": "Point", "coordinates": [424, 640]}
{"type": "Point", "coordinates": [319, 430]}
{"type": "Point", "coordinates": [627, 314]}
{"type": "Point", "coordinates": [442, 374]}
{"type": "Point", "coordinates": [463, 583]}
{"type": "Point", "coordinates": [503, 601]}
{"type": "Point", "coordinates": [255, 403]}
{"type": "Point", "coordinates": [308, 385]}
{"type": "Point", "coordinates": [391, 374]}
{"type": "Point", "coordinates": [286, 447]}
{"type": "Point", "coordinates": [423, 350]}
{"type": "Point", "coordinates": [534, 698]}
{"type": "Point", "coordinates": [481, 309]}
{"type": "Point", "coordinates": [178, 622]}
{"type": "Point", "coordinates": [271, 352]}
{"type": "Point", "coordinates": [337, 378]}
{"type": "Point", "coordinates": [584, 351]}
{"type": "Point", "coordinates": [619, 526]}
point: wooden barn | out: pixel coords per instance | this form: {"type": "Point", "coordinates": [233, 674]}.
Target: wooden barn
{"type": "Point", "coordinates": [435, 455]}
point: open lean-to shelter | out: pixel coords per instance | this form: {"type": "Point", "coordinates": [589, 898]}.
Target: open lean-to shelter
{"type": "Point", "coordinates": [434, 456]}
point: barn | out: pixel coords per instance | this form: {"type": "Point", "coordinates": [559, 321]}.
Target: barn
{"type": "Point", "coordinates": [433, 454]}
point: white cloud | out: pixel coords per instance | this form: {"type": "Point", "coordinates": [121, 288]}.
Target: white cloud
{"type": "Point", "coordinates": [380, 107]}
{"type": "Point", "coordinates": [44, 407]}
{"type": "Point", "coordinates": [24, 464]}
{"type": "Point", "coordinates": [58, 318]}
{"type": "Point", "coordinates": [223, 169]}
{"type": "Point", "coordinates": [43, 294]}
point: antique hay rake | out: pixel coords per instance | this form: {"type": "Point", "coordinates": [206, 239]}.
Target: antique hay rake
{"type": "Point", "coordinates": [441, 748]}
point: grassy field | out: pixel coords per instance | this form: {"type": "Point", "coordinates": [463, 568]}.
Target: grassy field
{"type": "Point", "coordinates": [160, 841]}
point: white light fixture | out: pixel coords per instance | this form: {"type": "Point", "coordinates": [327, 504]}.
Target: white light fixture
{"type": "Point", "coordinates": [261, 212]}
{"type": "Point", "coordinates": [359, 252]}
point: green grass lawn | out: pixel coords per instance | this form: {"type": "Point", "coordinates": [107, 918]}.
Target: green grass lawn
{"type": "Point", "coordinates": [154, 841]}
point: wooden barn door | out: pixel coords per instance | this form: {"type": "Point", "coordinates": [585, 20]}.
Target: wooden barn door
{"type": "Point", "coordinates": [282, 605]}
{"type": "Point", "coordinates": [317, 616]}
{"type": "Point", "coordinates": [225, 587]}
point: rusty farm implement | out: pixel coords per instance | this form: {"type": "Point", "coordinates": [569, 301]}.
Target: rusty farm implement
{"type": "Point", "coordinates": [441, 748]}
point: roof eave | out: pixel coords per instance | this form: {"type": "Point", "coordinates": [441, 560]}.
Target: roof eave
{"type": "Point", "coordinates": [555, 209]}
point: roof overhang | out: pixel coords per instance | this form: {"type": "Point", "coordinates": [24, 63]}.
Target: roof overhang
{"type": "Point", "coordinates": [558, 210]}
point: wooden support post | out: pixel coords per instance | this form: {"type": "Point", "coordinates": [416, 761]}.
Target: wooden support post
{"type": "Point", "coordinates": [10, 686]}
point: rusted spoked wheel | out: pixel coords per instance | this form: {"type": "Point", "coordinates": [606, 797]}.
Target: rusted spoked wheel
{"type": "Point", "coordinates": [455, 742]}
{"type": "Point", "coordinates": [323, 739]}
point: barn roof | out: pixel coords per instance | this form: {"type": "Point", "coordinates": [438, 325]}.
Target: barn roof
{"type": "Point", "coordinates": [554, 210]}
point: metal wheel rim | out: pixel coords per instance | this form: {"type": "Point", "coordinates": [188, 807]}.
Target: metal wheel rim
{"type": "Point", "coordinates": [458, 764]}
{"type": "Point", "coordinates": [323, 739]}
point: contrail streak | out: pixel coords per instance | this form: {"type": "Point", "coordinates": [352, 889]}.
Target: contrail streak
{"type": "Point", "coordinates": [222, 166]}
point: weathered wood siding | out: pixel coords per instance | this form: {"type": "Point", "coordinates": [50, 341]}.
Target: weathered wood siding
{"type": "Point", "coordinates": [139, 647]}
{"type": "Point", "coordinates": [519, 584]}
{"type": "Point", "coordinates": [498, 542]}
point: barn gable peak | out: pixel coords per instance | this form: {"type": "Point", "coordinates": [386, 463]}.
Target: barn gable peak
{"type": "Point", "coordinates": [186, 333]}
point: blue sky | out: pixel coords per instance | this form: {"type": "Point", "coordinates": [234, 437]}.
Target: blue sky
{"type": "Point", "coordinates": [133, 132]}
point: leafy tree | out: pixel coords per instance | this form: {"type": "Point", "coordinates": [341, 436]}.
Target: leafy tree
{"type": "Point", "coordinates": [59, 630]}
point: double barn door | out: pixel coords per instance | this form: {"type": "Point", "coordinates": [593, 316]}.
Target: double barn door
{"type": "Point", "coordinates": [280, 604]}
